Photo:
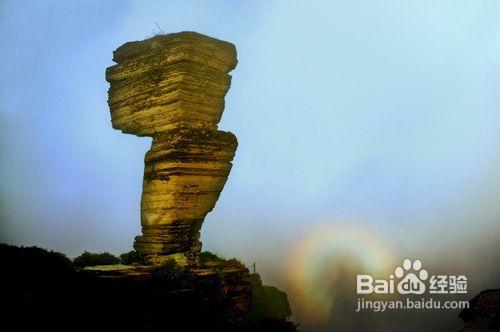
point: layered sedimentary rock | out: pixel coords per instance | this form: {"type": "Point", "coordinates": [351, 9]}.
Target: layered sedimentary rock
{"type": "Point", "coordinates": [172, 88]}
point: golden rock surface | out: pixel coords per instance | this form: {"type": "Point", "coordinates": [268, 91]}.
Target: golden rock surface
{"type": "Point", "coordinates": [172, 87]}
{"type": "Point", "coordinates": [169, 79]}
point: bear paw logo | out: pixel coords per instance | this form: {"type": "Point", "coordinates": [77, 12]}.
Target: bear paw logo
{"type": "Point", "coordinates": [411, 283]}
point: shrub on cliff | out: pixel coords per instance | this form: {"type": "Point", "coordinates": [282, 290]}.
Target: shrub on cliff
{"type": "Point", "coordinates": [234, 262]}
{"type": "Point", "coordinates": [211, 260]}
{"type": "Point", "coordinates": [29, 262]}
{"type": "Point", "coordinates": [174, 274]}
{"type": "Point", "coordinates": [131, 257]}
{"type": "Point", "coordinates": [268, 301]}
{"type": "Point", "coordinates": [92, 259]}
{"type": "Point", "coordinates": [207, 256]}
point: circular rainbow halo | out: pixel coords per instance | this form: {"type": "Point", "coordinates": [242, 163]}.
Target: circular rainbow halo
{"type": "Point", "coordinates": [323, 265]}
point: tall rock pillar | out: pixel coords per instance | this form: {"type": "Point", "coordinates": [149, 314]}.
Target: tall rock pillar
{"type": "Point", "coordinates": [172, 87]}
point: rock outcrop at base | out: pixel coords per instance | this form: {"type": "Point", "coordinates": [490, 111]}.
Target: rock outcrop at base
{"type": "Point", "coordinates": [46, 291]}
{"type": "Point", "coordinates": [172, 87]}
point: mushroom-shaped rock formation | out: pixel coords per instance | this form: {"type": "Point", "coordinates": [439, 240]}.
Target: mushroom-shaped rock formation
{"type": "Point", "coordinates": [172, 87]}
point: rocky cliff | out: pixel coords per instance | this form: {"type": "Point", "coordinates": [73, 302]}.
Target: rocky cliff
{"type": "Point", "coordinates": [46, 291]}
{"type": "Point", "coordinates": [172, 87]}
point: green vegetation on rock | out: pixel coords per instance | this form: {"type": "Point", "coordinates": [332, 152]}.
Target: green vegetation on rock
{"type": "Point", "coordinates": [267, 301]}
{"type": "Point", "coordinates": [211, 260]}
{"type": "Point", "coordinates": [207, 256]}
{"type": "Point", "coordinates": [130, 258]}
{"type": "Point", "coordinates": [93, 259]}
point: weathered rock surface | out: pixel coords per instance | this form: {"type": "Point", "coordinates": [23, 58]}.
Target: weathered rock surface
{"type": "Point", "coordinates": [172, 88]}
{"type": "Point", "coordinates": [168, 79]}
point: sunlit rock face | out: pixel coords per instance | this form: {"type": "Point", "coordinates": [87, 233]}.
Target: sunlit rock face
{"type": "Point", "coordinates": [172, 88]}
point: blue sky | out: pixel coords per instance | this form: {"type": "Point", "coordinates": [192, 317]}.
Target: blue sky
{"type": "Point", "coordinates": [383, 114]}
